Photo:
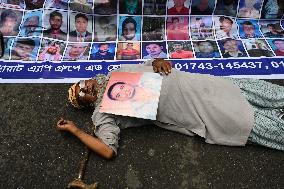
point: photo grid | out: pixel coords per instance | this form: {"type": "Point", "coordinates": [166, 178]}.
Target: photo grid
{"type": "Point", "coordinates": [82, 30]}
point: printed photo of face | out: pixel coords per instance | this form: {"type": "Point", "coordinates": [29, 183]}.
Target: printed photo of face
{"type": "Point", "coordinates": [58, 4]}
{"type": "Point", "coordinates": [226, 7]}
{"type": "Point", "coordinates": [202, 7]}
{"type": "Point", "coordinates": [177, 28]}
{"type": "Point", "coordinates": [232, 48]}
{"type": "Point", "coordinates": [32, 24]}
{"type": "Point", "coordinates": [105, 7]}
{"type": "Point", "coordinates": [272, 9]}
{"type": "Point", "coordinates": [277, 46]}
{"type": "Point", "coordinates": [10, 21]}
{"type": "Point", "coordinates": [180, 50]}
{"type": "Point", "coordinates": [154, 50]}
{"type": "Point", "coordinates": [105, 28]}
{"type": "Point", "coordinates": [77, 51]}
{"type": "Point", "coordinates": [206, 49]}
{"type": "Point", "coordinates": [25, 49]}
{"type": "Point", "coordinates": [153, 29]}
{"type": "Point", "coordinates": [103, 51]}
{"type": "Point", "coordinates": [249, 29]}
{"type": "Point", "coordinates": [131, 7]}
{"type": "Point", "coordinates": [271, 28]}
{"type": "Point", "coordinates": [201, 27]}
{"type": "Point", "coordinates": [80, 27]}
{"type": "Point", "coordinates": [128, 50]}
{"type": "Point", "coordinates": [257, 48]}
{"type": "Point", "coordinates": [129, 29]}
{"type": "Point", "coordinates": [51, 50]}
{"type": "Point", "coordinates": [249, 8]}
{"type": "Point", "coordinates": [83, 6]}
{"type": "Point", "coordinates": [225, 27]}
{"type": "Point", "coordinates": [154, 7]}
{"type": "Point", "coordinates": [56, 22]}
{"type": "Point", "coordinates": [178, 7]}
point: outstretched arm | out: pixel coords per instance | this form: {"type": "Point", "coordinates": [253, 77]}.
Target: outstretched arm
{"type": "Point", "coordinates": [92, 142]}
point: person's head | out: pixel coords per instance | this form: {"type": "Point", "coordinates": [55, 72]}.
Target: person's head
{"type": "Point", "coordinates": [175, 21]}
{"type": "Point", "coordinates": [271, 27]}
{"type": "Point", "coordinates": [248, 28]}
{"type": "Point", "coordinates": [205, 46]}
{"type": "Point", "coordinates": [129, 46]}
{"type": "Point", "coordinates": [81, 22]}
{"type": "Point", "coordinates": [31, 23]}
{"type": "Point", "coordinates": [103, 47]}
{"type": "Point", "coordinates": [154, 49]}
{"type": "Point", "coordinates": [230, 45]}
{"type": "Point", "coordinates": [55, 20]}
{"type": "Point", "coordinates": [83, 93]}
{"type": "Point", "coordinates": [8, 21]}
{"type": "Point", "coordinates": [179, 3]}
{"type": "Point", "coordinates": [77, 49]}
{"type": "Point", "coordinates": [279, 44]}
{"type": "Point", "coordinates": [121, 91]}
{"type": "Point", "coordinates": [53, 47]}
{"type": "Point", "coordinates": [178, 46]}
{"type": "Point", "coordinates": [226, 23]}
{"type": "Point", "coordinates": [23, 48]}
{"type": "Point", "coordinates": [129, 28]}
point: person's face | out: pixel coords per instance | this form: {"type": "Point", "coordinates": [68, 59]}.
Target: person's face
{"type": "Point", "coordinates": [206, 47]}
{"type": "Point", "coordinates": [8, 25]}
{"type": "Point", "coordinates": [104, 48]}
{"type": "Point", "coordinates": [279, 45]}
{"type": "Point", "coordinates": [31, 23]}
{"type": "Point", "coordinates": [55, 22]}
{"type": "Point", "coordinates": [179, 3]}
{"type": "Point", "coordinates": [231, 46]}
{"type": "Point", "coordinates": [129, 31]}
{"type": "Point", "coordinates": [271, 28]}
{"type": "Point", "coordinates": [76, 50]}
{"type": "Point", "coordinates": [248, 29]}
{"type": "Point", "coordinates": [226, 26]}
{"type": "Point", "coordinates": [177, 47]}
{"type": "Point", "coordinates": [23, 50]}
{"type": "Point", "coordinates": [122, 92]}
{"type": "Point", "coordinates": [52, 49]}
{"type": "Point", "coordinates": [154, 49]}
{"type": "Point", "coordinates": [81, 24]}
{"type": "Point", "coordinates": [129, 46]}
{"type": "Point", "coordinates": [89, 89]}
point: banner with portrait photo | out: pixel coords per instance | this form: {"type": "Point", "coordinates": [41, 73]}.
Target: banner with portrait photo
{"type": "Point", "coordinates": [64, 40]}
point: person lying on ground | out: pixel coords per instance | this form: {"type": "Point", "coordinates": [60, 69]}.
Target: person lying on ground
{"type": "Point", "coordinates": [224, 111]}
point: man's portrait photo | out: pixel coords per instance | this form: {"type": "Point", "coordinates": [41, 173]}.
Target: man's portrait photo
{"type": "Point", "coordinates": [257, 48]}
{"type": "Point", "coordinates": [177, 28]}
{"type": "Point", "coordinates": [132, 94]}
{"type": "Point", "coordinates": [249, 8]}
{"type": "Point", "coordinates": [201, 27]}
{"type": "Point", "coordinates": [206, 49]}
{"type": "Point", "coordinates": [180, 49]}
{"type": "Point", "coordinates": [226, 7]}
{"type": "Point", "coordinates": [102, 51]}
{"type": "Point", "coordinates": [34, 4]}
{"type": "Point", "coordinates": [51, 50]}
{"type": "Point", "coordinates": [232, 48]}
{"type": "Point", "coordinates": [58, 4]}
{"type": "Point", "coordinates": [105, 28]}
{"type": "Point", "coordinates": [153, 28]}
{"type": "Point", "coordinates": [80, 28]}
{"type": "Point", "coordinates": [154, 7]}
{"type": "Point", "coordinates": [128, 51]}
{"type": "Point", "coordinates": [277, 46]}
{"type": "Point", "coordinates": [77, 51]}
{"type": "Point", "coordinates": [151, 50]}
{"type": "Point", "coordinates": [225, 27]}
{"type": "Point", "coordinates": [56, 22]}
{"type": "Point", "coordinates": [271, 28]}
{"type": "Point", "coordinates": [8, 41]}
{"type": "Point", "coordinates": [178, 7]}
{"type": "Point", "coordinates": [18, 4]}
{"type": "Point", "coordinates": [272, 9]}
{"type": "Point", "coordinates": [84, 6]}
{"type": "Point", "coordinates": [132, 7]}
{"type": "Point", "coordinates": [129, 28]}
{"type": "Point", "coordinates": [32, 24]}
{"type": "Point", "coordinates": [25, 49]}
{"type": "Point", "coordinates": [105, 7]}
{"type": "Point", "coordinates": [249, 29]}
{"type": "Point", "coordinates": [202, 7]}
{"type": "Point", "coordinates": [10, 21]}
